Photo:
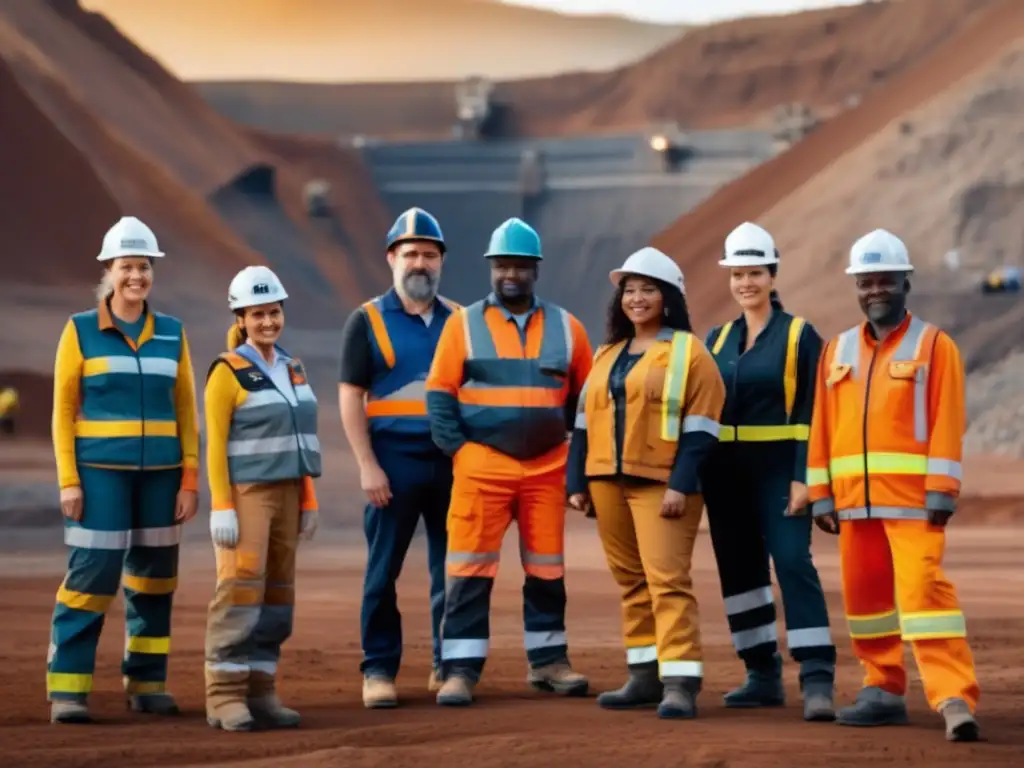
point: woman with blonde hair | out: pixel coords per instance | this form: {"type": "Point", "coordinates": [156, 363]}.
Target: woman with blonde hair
{"type": "Point", "coordinates": [126, 441]}
{"type": "Point", "coordinates": [646, 420]}
{"type": "Point", "coordinates": [262, 455]}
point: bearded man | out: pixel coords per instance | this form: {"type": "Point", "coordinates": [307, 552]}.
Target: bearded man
{"type": "Point", "coordinates": [387, 349]}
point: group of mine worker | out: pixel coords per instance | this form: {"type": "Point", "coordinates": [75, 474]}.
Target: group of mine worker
{"type": "Point", "coordinates": [472, 417]}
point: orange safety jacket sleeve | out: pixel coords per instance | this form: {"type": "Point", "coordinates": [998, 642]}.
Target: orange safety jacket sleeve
{"type": "Point", "coordinates": [808, 355]}
{"type": "Point", "coordinates": [702, 409]}
{"type": "Point", "coordinates": [947, 421]}
{"type": "Point", "coordinates": [579, 369]}
{"type": "Point", "coordinates": [819, 444]}
{"type": "Point", "coordinates": [185, 407]}
{"type": "Point", "coordinates": [443, 382]}
{"type": "Point", "coordinates": [67, 384]}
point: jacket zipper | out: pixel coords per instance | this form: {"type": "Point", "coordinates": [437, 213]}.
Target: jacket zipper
{"type": "Point", "coordinates": [142, 403]}
{"type": "Point", "coordinates": [864, 430]}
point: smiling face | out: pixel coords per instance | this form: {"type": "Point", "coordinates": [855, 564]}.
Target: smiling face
{"type": "Point", "coordinates": [263, 323]}
{"type": "Point", "coordinates": [131, 278]}
{"type": "Point", "coordinates": [513, 278]}
{"type": "Point", "coordinates": [642, 301]}
{"type": "Point", "coordinates": [751, 287]}
{"type": "Point", "coordinates": [883, 296]}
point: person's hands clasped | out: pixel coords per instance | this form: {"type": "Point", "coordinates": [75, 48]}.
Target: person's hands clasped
{"type": "Point", "coordinates": [71, 503]}
{"type": "Point", "coordinates": [673, 504]}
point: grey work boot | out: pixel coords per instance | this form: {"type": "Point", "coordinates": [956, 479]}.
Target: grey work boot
{"type": "Point", "coordinates": [960, 723]}
{"type": "Point", "coordinates": [679, 698]}
{"type": "Point", "coordinates": [269, 712]}
{"type": "Point", "coordinates": [558, 678]}
{"type": "Point", "coordinates": [65, 711]}
{"type": "Point", "coordinates": [874, 707]}
{"type": "Point", "coordinates": [762, 688]}
{"type": "Point", "coordinates": [456, 691]}
{"type": "Point", "coordinates": [818, 701]}
{"type": "Point", "coordinates": [642, 689]}
{"type": "Point", "coordinates": [154, 704]}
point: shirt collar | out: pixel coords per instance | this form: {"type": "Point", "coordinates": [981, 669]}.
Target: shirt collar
{"type": "Point", "coordinates": [250, 353]}
{"type": "Point", "coordinates": [105, 319]}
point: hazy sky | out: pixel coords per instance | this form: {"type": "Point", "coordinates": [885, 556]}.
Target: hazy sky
{"type": "Point", "coordinates": [692, 11]}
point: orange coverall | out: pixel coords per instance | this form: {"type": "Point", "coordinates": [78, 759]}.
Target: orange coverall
{"type": "Point", "coordinates": [885, 447]}
{"type": "Point", "coordinates": [501, 401]}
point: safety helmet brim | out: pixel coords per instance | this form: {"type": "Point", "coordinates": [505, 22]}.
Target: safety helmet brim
{"type": "Point", "coordinates": [748, 261]}
{"type": "Point", "coordinates": [867, 269]}
{"type": "Point", "coordinates": [137, 254]}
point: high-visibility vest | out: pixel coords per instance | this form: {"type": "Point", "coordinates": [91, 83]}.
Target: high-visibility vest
{"type": "Point", "coordinates": [270, 439]}
{"type": "Point", "coordinates": [396, 399]}
{"type": "Point", "coordinates": [770, 432]}
{"type": "Point", "coordinates": [127, 418]}
{"type": "Point", "coordinates": [876, 450]}
{"type": "Point", "coordinates": [516, 405]}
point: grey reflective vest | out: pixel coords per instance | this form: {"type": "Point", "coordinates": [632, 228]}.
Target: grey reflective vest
{"type": "Point", "coordinates": [270, 439]}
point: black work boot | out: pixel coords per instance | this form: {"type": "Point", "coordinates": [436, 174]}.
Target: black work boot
{"type": "Point", "coordinates": [874, 707]}
{"type": "Point", "coordinates": [642, 689]}
{"type": "Point", "coordinates": [679, 701]}
{"type": "Point", "coordinates": [762, 688]}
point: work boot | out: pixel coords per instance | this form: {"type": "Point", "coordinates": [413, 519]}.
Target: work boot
{"type": "Point", "coordinates": [231, 716]}
{"type": "Point", "coordinates": [642, 689]}
{"type": "Point", "coordinates": [960, 723]}
{"type": "Point", "coordinates": [226, 693]}
{"type": "Point", "coordinates": [456, 691]}
{"type": "Point", "coordinates": [379, 692]}
{"type": "Point", "coordinates": [818, 702]}
{"type": "Point", "coordinates": [265, 706]}
{"type": "Point", "coordinates": [435, 680]}
{"type": "Point", "coordinates": [874, 707]}
{"type": "Point", "coordinates": [65, 711]}
{"type": "Point", "coordinates": [154, 704]}
{"type": "Point", "coordinates": [679, 699]}
{"type": "Point", "coordinates": [558, 678]}
{"type": "Point", "coordinates": [762, 688]}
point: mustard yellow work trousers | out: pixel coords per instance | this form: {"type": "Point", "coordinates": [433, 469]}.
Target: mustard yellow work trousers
{"type": "Point", "coordinates": [250, 616]}
{"type": "Point", "coordinates": [649, 557]}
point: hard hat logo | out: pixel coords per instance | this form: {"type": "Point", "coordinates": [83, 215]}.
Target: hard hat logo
{"type": "Point", "coordinates": [872, 257]}
{"type": "Point", "coordinates": [261, 289]}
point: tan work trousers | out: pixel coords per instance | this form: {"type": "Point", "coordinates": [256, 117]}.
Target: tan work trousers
{"type": "Point", "coordinates": [250, 616]}
{"type": "Point", "coordinates": [649, 557]}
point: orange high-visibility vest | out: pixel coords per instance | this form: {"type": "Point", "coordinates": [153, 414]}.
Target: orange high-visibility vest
{"type": "Point", "coordinates": [889, 419]}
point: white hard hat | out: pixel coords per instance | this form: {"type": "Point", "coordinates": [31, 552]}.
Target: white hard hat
{"type": "Point", "coordinates": [253, 286]}
{"type": "Point", "coordinates": [879, 251]}
{"type": "Point", "coordinates": [749, 246]}
{"type": "Point", "coordinates": [129, 237]}
{"type": "Point", "coordinates": [650, 262]}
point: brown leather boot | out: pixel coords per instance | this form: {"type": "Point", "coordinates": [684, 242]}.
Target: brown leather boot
{"type": "Point", "coordinates": [456, 691]}
{"type": "Point", "coordinates": [226, 700]}
{"type": "Point", "coordinates": [265, 706]}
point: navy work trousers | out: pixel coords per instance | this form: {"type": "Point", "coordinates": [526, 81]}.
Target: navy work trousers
{"type": "Point", "coordinates": [421, 487]}
{"type": "Point", "coordinates": [746, 489]}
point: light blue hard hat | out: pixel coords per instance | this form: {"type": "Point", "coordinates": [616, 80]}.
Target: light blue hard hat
{"type": "Point", "coordinates": [515, 238]}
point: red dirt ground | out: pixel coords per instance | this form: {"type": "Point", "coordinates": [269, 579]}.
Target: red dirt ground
{"type": "Point", "coordinates": [510, 724]}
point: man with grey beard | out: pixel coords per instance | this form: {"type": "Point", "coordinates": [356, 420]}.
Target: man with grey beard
{"type": "Point", "coordinates": [387, 348]}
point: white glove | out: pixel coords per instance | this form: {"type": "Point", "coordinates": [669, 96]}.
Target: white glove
{"type": "Point", "coordinates": [308, 524]}
{"type": "Point", "coordinates": [224, 528]}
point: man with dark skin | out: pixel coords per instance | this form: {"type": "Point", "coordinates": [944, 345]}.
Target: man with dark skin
{"type": "Point", "coordinates": [884, 472]}
{"type": "Point", "coordinates": [501, 398]}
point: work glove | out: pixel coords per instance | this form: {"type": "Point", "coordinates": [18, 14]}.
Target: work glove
{"type": "Point", "coordinates": [939, 517]}
{"type": "Point", "coordinates": [308, 524]}
{"type": "Point", "coordinates": [224, 528]}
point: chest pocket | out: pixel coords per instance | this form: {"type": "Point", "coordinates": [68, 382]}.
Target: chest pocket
{"type": "Point", "coordinates": [654, 378]}
{"type": "Point", "coordinates": [837, 374]}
